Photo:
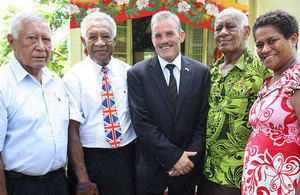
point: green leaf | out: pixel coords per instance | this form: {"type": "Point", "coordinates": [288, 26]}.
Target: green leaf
{"type": "Point", "coordinates": [194, 18]}
{"type": "Point", "coordinates": [57, 14]}
{"type": "Point", "coordinates": [187, 15]}
{"type": "Point", "coordinates": [202, 19]}
{"type": "Point", "coordinates": [194, 12]}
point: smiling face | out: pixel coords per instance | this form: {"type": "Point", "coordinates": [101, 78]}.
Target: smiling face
{"type": "Point", "coordinates": [33, 46]}
{"type": "Point", "coordinates": [99, 41]}
{"type": "Point", "coordinates": [230, 35]}
{"type": "Point", "coordinates": [276, 52]}
{"type": "Point", "coordinates": [166, 39]}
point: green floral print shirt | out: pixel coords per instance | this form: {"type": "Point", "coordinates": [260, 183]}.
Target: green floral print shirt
{"type": "Point", "coordinates": [228, 129]}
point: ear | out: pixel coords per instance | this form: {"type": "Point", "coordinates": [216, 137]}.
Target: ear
{"type": "Point", "coordinates": [182, 36]}
{"type": "Point", "coordinates": [153, 41]}
{"type": "Point", "coordinates": [294, 39]}
{"type": "Point", "coordinates": [246, 32]}
{"type": "Point", "coordinates": [11, 41]}
{"type": "Point", "coordinates": [115, 41]}
{"type": "Point", "coordinates": [83, 41]}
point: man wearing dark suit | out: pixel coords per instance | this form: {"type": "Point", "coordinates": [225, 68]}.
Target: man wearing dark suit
{"type": "Point", "coordinates": [168, 105]}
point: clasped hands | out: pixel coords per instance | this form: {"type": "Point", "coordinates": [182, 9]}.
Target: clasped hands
{"type": "Point", "coordinates": [183, 166]}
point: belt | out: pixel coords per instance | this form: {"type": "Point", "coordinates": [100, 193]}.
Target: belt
{"type": "Point", "coordinates": [14, 174]}
{"type": "Point", "coordinates": [108, 150]}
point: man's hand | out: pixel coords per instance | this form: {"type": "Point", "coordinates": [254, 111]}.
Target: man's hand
{"type": "Point", "coordinates": [183, 166]}
{"type": "Point", "coordinates": [91, 190]}
{"type": "Point", "coordinates": [76, 157]}
{"type": "Point", "coordinates": [173, 172]}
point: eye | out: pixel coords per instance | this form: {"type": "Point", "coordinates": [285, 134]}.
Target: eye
{"type": "Point", "coordinates": [46, 40]}
{"type": "Point", "coordinates": [218, 29]}
{"type": "Point", "coordinates": [272, 41]}
{"type": "Point", "coordinates": [259, 45]}
{"type": "Point", "coordinates": [32, 38]}
{"type": "Point", "coordinates": [230, 26]}
{"type": "Point", "coordinates": [170, 34]}
{"type": "Point", "coordinates": [106, 38]}
{"type": "Point", "coordinates": [157, 36]}
{"type": "Point", "coordinates": [92, 37]}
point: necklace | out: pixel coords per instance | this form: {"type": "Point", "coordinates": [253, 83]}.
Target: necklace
{"type": "Point", "coordinates": [279, 73]}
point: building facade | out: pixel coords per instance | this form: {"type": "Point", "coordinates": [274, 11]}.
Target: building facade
{"type": "Point", "coordinates": [134, 32]}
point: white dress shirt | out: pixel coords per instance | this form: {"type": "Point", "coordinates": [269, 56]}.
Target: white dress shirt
{"type": "Point", "coordinates": [176, 70]}
{"type": "Point", "coordinates": [84, 83]}
{"type": "Point", "coordinates": [33, 120]}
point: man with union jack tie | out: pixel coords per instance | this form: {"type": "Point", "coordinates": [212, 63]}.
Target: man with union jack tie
{"type": "Point", "coordinates": [101, 137]}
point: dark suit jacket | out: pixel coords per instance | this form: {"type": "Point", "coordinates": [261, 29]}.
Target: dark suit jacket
{"type": "Point", "coordinates": [163, 132]}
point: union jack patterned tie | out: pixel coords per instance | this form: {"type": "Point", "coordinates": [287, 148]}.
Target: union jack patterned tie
{"type": "Point", "coordinates": [172, 84]}
{"type": "Point", "coordinates": [111, 120]}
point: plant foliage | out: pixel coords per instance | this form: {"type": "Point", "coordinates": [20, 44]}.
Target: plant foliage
{"type": "Point", "coordinates": [56, 13]}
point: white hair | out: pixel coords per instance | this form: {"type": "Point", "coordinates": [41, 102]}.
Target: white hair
{"type": "Point", "coordinates": [98, 16]}
{"type": "Point", "coordinates": [165, 15]}
{"type": "Point", "coordinates": [231, 11]}
{"type": "Point", "coordinates": [24, 17]}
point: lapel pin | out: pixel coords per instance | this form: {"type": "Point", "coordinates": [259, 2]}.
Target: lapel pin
{"type": "Point", "coordinates": [186, 69]}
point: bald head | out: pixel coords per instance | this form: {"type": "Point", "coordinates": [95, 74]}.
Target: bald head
{"type": "Point", "coordinates": [234, 14]}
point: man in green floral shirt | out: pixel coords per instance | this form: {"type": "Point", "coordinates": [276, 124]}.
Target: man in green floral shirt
{"type": "Point", "coordinates": [235, 80]}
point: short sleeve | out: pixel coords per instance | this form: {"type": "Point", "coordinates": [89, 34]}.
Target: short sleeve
{"type": "Point", "coordinates": [72, 85]}
{"type": "Point", "coordinates": [3, 121]}
{"type": "Point", "coordinates": [291, 80]}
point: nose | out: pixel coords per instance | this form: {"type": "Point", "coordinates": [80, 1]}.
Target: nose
{"type": "Point", "coordinates": [266, 48]}
{"type": "Point", "coordinates": [223, 31]}
{"type": "Point", "coordinates": [100, 42]}
{"type": "Point", "coordinates": [164, 39]}
{"type": "Point", "coordinates": [40, 45]}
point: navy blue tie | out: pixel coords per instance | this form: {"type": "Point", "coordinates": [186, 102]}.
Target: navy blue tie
{"type": "Point", "coordinates": [172, 84]}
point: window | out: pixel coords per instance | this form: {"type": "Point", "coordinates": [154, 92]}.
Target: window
{"type": "Point", "coordinates": [134, 42]}
{"type": "Point", "coordinates": [199, 44]}
{"type": "Point", "coordinates": [123, 43]}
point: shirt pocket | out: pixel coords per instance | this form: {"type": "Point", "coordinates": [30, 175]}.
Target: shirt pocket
{"type": "Point", "coordinates": [238, 97]}
{"type": "Point", "coordinates": [63, 106]}
{"type": "Point", "coordinates": [237, 105]}
{"type": "Point", "coordinates": [121, 96]}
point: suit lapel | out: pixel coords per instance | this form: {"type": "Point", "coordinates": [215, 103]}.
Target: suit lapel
{"type": "Point", "coordinates": [160, 83]}
{"type": "Point", "coordinates": [185, 75]}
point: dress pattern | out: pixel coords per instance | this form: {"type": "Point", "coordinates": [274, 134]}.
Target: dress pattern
{"type": "Point", "coordinates": [272, 155]}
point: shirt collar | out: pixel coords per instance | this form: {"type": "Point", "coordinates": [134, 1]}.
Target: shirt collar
{"type": "Point", "coordinates": [176, 62]}
{"type": "Point", "coordinates": [241, 63]}
{"type": "Point", "coordinates": [97, 67]}
{"type": "Point", "coordinates": [20, 73]}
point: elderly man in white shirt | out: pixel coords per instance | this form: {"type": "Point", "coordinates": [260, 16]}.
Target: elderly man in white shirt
{"type": "Point", "coordinates": [101, 137]}
{"type": "Point", "coordinates": [34, 114]}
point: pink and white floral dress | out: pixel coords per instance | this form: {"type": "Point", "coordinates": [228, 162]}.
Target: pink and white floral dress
{"type": "Point", "coordinates": [272, 155]}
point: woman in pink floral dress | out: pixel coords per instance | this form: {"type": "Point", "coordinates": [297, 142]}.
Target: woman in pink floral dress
{"type": "Point", "coordinates": [272, 155]}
